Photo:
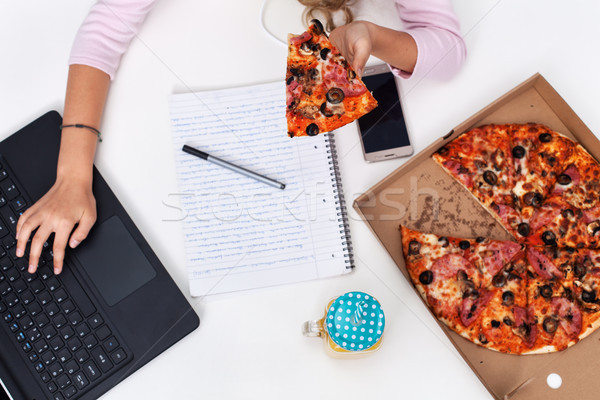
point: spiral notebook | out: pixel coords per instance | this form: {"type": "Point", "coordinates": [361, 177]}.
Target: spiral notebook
{"type": "Point", "coordinates": [239, 233]}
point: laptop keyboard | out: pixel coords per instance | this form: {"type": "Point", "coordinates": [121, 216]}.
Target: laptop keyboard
{"type": "Point", "coordinates": [64, 339]}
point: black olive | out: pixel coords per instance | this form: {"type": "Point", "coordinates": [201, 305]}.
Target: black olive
{"type": "Point", "coordinates": [546, 291]}
{"type": "Point", "coordinates": [482, 338]}
{"type": "Point", "coordinates": [588, 297]}
{"type": "Point", "coordinates": [533, 199]}
{"type": "Point", "coordinates": [426, 277]}
{"type": "Point", "coordinates": [313, 74]}
{"type": "Point", "coordinates": [568, 294]}
{"type": "Point", "coordinates": [523, 229]}
{"type": "Point", "coordinates": [312, 130]}
{"type": "Point", "coordinates": [306, 47]}
{"type": "Point", "coordinates": [289, 80]}
{"type": "Point", "coordinates": [291, 134]}
{"type": "Point", "coordinates": [324, 52]}
{"type": "Point", "coordinates": [499, 280]}
{"type": "Point", "coordinates": [513, 277]}
{"type": "Point", "coordinates": [464, 244]}
{"type": "Point", "coordinates": [580, 270]}
{"type": "Point", "coordinates": [490, 177]}
{"type": "Point", "coordinates": [480, 239]}
{"type": "Point", "coordinates": [318, 26]}
{"type": "Point", "coordinates": [295, 71]}
{"type": "Point", "coordinates": [325, 111]}
{"type": "Point", "coordinates": [545, 137]}
{"type": "Point", "coordinates": [549, 238]}
{"type": "Point", "coordinates": [550, 324]}
{"type": "Point", "coordinates": [315, 46]}
{"type": "Point", "coordinates": [563, 179]}
{"type": "Point", "coordinates": [518, 152]}
{"type": "Point", "coordinates": [508, 298]}
{"type": "Point", "coordinates": [335, 95]}
{"type": "Point", "coordinates": [443, 151]}
{"type": "Point", "coordinates": [413, 247]}
{"type": "Point", "coordinates": [495, 324]}
{"type": "Point", "coordinates": [507, 321]}
{"type": "Point", "coordinates": [567, 213]}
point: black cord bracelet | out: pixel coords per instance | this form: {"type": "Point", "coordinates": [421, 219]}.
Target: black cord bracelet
{"type": "Point", "coordinates": [81, 126]}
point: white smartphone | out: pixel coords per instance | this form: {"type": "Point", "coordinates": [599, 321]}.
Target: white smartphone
{"type": "Point", "coordinates": [383, 131]}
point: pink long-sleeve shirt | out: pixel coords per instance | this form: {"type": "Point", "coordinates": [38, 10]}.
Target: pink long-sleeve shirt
{"type": "Point", "coordinates": [111, 25]}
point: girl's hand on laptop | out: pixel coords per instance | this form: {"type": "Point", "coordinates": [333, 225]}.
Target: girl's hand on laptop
{"type": "Point", "coordinates": [67, 203]}
{"type": "Point", "coordinates": [70, 200]}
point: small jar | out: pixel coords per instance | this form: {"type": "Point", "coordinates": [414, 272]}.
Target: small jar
{"type": "Point", "coordinates": [352, 326]}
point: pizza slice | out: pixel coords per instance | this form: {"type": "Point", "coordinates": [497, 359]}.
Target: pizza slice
{"type": "Point", "coordinates": [491, 256]}
{"type": "Point", "coordinates": [557, 313]}
{"type": "Point", "coordinates": [505, 323]}
{"type": "Point", "coordinates": [556, 318]}
{"type": "Point", "coordinates": [449, 283]}
{"type": "Point", "coordinates": [453, 275]}
{"type": "Point", "coordinates": [323, 92]}
{"type": "Point", "coordinates": [539, 155]}
{"type": "Point", "coordinates": [582, 282]}
{"type": "Point", "coordinates": [570, 216]}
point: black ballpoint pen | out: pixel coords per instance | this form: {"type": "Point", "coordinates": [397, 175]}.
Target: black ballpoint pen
{"type": "Point", "coordinates": [205, 156]}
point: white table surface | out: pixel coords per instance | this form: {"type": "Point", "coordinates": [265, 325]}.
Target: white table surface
{"type": "Point", "coordinates": [249, 345]}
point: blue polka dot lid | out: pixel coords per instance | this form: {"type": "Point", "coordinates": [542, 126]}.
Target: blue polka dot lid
{"type": "Point", "coordinates": [355, 321]}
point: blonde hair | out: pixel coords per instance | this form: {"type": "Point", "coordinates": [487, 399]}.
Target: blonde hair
{"type": "Point", "coordinates": [327, 8]}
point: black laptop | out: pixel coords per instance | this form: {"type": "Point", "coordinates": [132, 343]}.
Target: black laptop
{"type": "Point", "coordinates": [113, 308]}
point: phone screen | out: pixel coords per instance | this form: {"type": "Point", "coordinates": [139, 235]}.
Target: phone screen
{"type": "Point", "coordinates": [384, 127]}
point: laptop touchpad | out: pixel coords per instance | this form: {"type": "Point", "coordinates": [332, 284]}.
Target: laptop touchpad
{"type": "Point", "coordinates": [114, 261]}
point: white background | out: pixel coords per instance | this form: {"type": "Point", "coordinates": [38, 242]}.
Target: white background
{"type": "Point", "coordinates": [249, 345]}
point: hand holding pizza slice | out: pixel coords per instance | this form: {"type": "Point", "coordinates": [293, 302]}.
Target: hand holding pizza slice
{"type": "Point", "coordinates": [323, 92]}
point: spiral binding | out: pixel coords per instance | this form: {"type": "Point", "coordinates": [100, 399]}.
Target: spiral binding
{"type": "Point", "coordinates": [341, 208]}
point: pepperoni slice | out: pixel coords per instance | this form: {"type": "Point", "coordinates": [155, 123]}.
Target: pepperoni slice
{"type": "Point", "coordinates": [525, 326]}
{"type": "Point", "coordinates": [507, 214]}
{"type": "Point", "coordinates": [543, 216]}
{"type": "Point", "coordinates": [471, 308]}
{"type": "Point", "coordinates": [448, 266]}
{"type": "Point", "coordinates": [570, 316]}
{"type": "Point", "coordinates": [337, 76]}
{"type": "Point", "coordinates": [591, 214]}
{"type": "Point", "coordinates": [542, 264]}
{"type": "Point", "coordinates": [498, 254]}
{"type": "Point", "coordinates": [296, 40]}
{"type": "Point", "coordinates": [459, 172]}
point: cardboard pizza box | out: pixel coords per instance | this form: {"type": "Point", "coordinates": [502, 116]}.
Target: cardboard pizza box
{"type": "Point", "coordinates": [434, 202]}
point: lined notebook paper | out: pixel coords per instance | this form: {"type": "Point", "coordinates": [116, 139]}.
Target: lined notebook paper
{"type": "Point", "coordinates": [243, 234]}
